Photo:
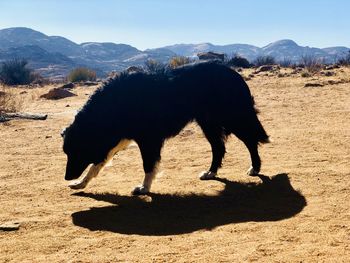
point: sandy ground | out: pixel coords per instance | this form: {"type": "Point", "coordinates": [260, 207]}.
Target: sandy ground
{"type": "Point", "coordinates": [301, 214]}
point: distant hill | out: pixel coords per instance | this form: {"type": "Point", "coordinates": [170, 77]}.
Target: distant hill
{"type": "Point", "coordinates": [55, 56]}
{"type": "Point", "coordinates": [280, 50]}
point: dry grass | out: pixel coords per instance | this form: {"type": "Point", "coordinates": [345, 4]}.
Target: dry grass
{"type": "Point", "coordinates": [10, 101]}
{"type": "Point", "coordinates": [300, 215]}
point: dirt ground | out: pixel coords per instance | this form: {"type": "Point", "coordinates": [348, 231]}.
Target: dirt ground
{"type": "Point", "coordinates": [300, 213]}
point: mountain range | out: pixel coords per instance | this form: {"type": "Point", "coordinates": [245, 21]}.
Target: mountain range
{"type": "Point", "coordinates": [55, 56]}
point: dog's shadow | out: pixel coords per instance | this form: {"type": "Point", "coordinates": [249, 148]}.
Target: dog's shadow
{"type": "Point", "coordinates": [166, 214]}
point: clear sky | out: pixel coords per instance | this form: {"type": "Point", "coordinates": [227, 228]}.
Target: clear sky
{"type": "Point", "coordinates": [155, 23]}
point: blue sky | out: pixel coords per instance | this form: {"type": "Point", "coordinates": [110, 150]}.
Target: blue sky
{"type": "Point", "coordinates": [155, 23]}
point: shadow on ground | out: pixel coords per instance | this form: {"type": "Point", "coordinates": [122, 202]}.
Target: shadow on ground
{"type": "Point", "coordinates": [273, 199]}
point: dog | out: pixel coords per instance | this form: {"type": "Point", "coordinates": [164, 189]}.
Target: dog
{"type": "Point", "coordinates": [149, 108]}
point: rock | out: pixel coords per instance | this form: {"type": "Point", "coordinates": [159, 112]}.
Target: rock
{"type": "Point", "coordinates": [134, 69]}
{"type": "Point", "coordinates": [186, 133]}
{"type": "Point", "coordinates": [265, 68]}
{"type": "Point", "coordinates": [327, 73]}
{"type": "Point", "coordinates": [3, 119]}
{"type": "Point", "coordinates": [313, 85]}
{"type": "Point", "coordinates": [335, 82]}
{"type": "Point", "coordinates": [90, 83]}
{"type": "Point", "coordinates": [69, 85]}
{"type": "Point", "coordinates": [57, 93]}
{"type": "Point", "coordinates": [10, 226]}
{"type": "Point", "coordinates": [211, 56]}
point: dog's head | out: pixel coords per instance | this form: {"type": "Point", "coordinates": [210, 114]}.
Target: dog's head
{"type": "Point", "coordinates": [80, 153]}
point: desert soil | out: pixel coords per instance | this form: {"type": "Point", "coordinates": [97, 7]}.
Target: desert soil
{"type": "Point", "coordinates": [299, 213]}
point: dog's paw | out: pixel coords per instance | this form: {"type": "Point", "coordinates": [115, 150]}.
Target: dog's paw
{"type": "Point", "coordinates": [140, 190]}
{"type": "Point", "coordinates": [207, 175]}
{"type": "Point", "coordinates": [252, 172]}
{"type": "Point", "coordinates": [77, 185]}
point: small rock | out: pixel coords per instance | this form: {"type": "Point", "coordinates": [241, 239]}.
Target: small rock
{"type": "Point", "coordinates": [313, 85]}
{"type": "Point", "coordinates": [69, 85]}
{"type": "Point", "coordinates": [327, 73]}
{"type": "Point", "coordinates": [265, 68]}
{"type": "Point", "coordinates": [90, 83]}
{"type": "Point", "coordinates": [134, 69]}
{"type": "Point", "coordinates": [57, 93]}
{"type": "Point", "coordinates": [334, 82]}
{"type": "Point", "coordinates": [211, 56]}
{"type": "Point", "coordinates": [10, 226]}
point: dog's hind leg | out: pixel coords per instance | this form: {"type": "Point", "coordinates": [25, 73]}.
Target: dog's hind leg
{"type": "Point", "coordinates": [217, 139]}
{"type": "Point", "coordinates": [255, 158]}
{"type": "Point", "coordinates": [252, 146]}
{"type": "Point", "coordinates": [150, 152]}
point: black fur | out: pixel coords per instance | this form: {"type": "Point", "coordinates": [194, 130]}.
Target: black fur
{"type": "Point", "coordinates": [149, 108]}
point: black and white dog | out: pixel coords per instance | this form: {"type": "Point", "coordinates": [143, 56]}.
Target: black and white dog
{"type": "Point", "coordinates": [149, 108]}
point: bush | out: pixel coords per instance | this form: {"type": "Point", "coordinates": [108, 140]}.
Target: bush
{"type": "Point", "coordinates": [305, 74]}
{"type": "Point", "coordinates": [238, 61]}
{"type": "Point", "coordinates": [311, 63]}
{"type": "Point", "coordinates": [286, 62]}
{"type": "Point", "coordinates": [154, 66]}
{"type": "Point", "coordinates": [264, 60]}
{"type": "Point", "coordinates": [179, 61]}
{"type": "Point", "coordinates": [15, 72]}
{"type": "Point", "coordinates": [10, 101]}
{"type": "Point", "coordinates": [81, 74]}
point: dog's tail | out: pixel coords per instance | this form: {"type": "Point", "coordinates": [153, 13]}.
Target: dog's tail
{"type": "Point", "coordinates": [261, 135]}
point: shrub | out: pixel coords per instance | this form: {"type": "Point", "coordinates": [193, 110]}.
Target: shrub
{"type": "Point", "coordinates": [285, 62]}
{"type": "Point", "coordinates": [15, 72]}
{"type": "Point", "coordinates": [81, 74]}
{"type": "Point", "coordinates": [154, 66]}
{"type": "Point", "coordinates": [305, 74]}
{"type": "Point", "coordinates": [9, 101]}
{"type": "Point", "coordinates": [179, 61]}
{"type": "Point", "coordinates": [311, 63]}
{"type": "Point", "coordinates": [238, 61]}
{"type": "Point", "coordinates": [264, 60]}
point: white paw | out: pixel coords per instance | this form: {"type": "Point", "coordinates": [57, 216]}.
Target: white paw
{"type": "Point", "coordinates": [207, 175]}
{"type": "Point", "coordinates": [140, 190]}
{"type": "Point", "coordinates": [77, 185]}
{"type": "Point", "coordinates": [252, 172]}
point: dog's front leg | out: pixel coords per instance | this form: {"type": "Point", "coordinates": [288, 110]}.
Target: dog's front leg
{"type": "Point", "coordinates": [150, 152]}
{"type": "Point", "coordinates": [82, 182]}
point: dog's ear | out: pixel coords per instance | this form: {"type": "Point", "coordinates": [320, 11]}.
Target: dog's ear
{"type": "Point", "coordinates": [63, 133]}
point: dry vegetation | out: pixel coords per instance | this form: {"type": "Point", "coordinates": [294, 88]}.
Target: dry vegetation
{"type": "Point", "coordinates": [301, 214]}
{"type": "Point", "coordinates": [13, 99]}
